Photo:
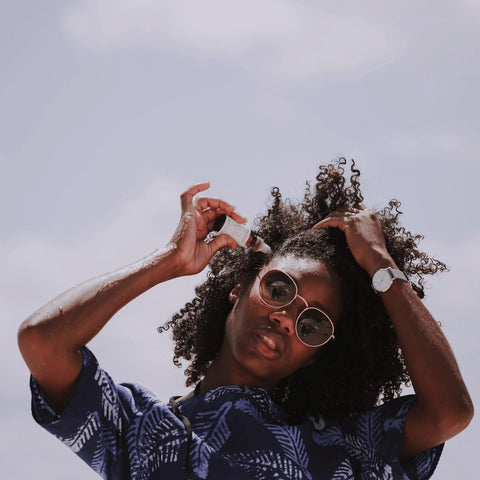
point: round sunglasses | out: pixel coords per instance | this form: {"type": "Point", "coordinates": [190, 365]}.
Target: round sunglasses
{"type": "Point", "coordinates": [313, 326]}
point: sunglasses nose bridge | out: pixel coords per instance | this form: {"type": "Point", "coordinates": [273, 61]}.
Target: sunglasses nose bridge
{"type": "Point", "coordinates": [303, 300]}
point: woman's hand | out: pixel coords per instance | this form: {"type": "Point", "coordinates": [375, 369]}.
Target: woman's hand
{"type": "Point", "coordinates": [364, 235]}
{"type": "Point", "coordinates": [197, 219]}
{"type": "Point", "coordinates": [443, 406]}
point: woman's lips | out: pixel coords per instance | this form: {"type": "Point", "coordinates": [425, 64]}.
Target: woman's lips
{"type": "Point", "coordinates": [269, 341]}
{"type": "Point", "coordinates": [268, 344]}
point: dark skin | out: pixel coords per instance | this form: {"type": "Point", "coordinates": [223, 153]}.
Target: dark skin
{"type": "Point", "coordinates": [51, 337]}
{"type": "Point", "coordinates": [260, 346]}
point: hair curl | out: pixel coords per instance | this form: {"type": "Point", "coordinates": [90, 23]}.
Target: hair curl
{"type": "Point", "coordinates": [364, 364]}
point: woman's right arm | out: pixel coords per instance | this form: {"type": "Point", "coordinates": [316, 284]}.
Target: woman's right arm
{"type": "Point", "coordinates": [51, 337]}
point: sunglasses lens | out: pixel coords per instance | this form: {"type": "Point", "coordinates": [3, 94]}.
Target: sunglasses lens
{"type": "Point", "coordinates": [313, 327]}
{"type": "Point", "coordinates": [277, 289]}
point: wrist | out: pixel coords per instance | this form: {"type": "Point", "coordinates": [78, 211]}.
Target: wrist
{"type": "Point", "coordinates": [384, 278]}
{"type": "Point", "coordinates": [379, 260]}
{"type": "Point", "coordinates": [164, 264]}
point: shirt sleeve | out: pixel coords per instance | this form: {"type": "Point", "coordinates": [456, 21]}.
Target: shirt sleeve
{"type": "Point", "coordinates": [93, 425]}
{"type": "Point", "coordinates": [379, 433]}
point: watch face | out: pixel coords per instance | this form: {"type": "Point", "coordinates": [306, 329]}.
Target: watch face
{"type": "Point", "coordinates": [382, 280]}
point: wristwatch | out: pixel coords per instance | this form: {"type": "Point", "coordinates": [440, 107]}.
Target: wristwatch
{"type": "Point", "coordinates": [383, 278]}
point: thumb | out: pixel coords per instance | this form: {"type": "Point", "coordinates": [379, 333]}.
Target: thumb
{"type": "Point", "coordinates": [221, 241]}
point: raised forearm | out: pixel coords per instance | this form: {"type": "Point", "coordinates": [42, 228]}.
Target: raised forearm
{"type": "Point", "coordinates": [62, 326]}
{"type": "Point", "coordinates": [443, 406]}
{"type": "Point", "coordinates": [431, 363]}
{"type": "Point", "coordinates": [51, 337]}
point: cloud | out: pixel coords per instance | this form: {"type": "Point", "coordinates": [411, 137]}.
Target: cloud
{"type": "Point", "coordinates": [281, 41]}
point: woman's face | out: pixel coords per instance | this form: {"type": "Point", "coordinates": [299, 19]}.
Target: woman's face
{"type": "Point", "coordinates": [260, 341]}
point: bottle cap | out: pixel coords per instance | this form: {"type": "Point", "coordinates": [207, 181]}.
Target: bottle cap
{"type": "Point", "coordinates": [261, 246]}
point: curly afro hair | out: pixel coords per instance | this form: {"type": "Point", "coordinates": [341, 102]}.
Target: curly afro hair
{"type": "Point", "coordinates": [364, 364]}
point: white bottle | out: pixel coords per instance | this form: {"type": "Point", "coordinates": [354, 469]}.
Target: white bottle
{"type": "Point", "coordinates": [240, 233]}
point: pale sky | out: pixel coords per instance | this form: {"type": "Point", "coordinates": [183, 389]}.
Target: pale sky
{"type": "Point", "coordinates": [110, 109]}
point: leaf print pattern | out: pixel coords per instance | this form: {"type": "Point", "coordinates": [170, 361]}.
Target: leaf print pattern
{"type": "Point", "coordinates": [330, 436]}
{"type": "Point", "coordinates": [154, 441]}
{"type": "Point", "coordinates": [99, 459]}
{"type": "Point", "coordinates": [162, 441]}
{"type": "Point", "coordinates": [243, 405]}
{"type": "Point", "coordinates": [106, 447]}
{"type": "Point", "coordinates": [265, 465]}
{"type": "Point", "coordinates": [109, 399]}
{"type": "Point", "coordinates": [379, 472]}
{"type": "Point", "coordinates": [257, 397]}
{"type": "Point", "coordinates": [200, 456]}
{"type": "Point", "coordinates": [385, 472]}
{"type": "Point", "coordinates": [369, 428]}
{"type": "Point", "coordinates": [40, 408]}
{"type": "Point", "coordinates": [212, 425]}
{"type": "Point", "coordinates": [344, 471]}
{"type": "Point", "coordinates": [359, 450]}
{"type": "Point", "coordinates": [212, 432]}
{"type": "Point", "coordinates": [165, 450]}
{"type": "Point", "coordinates": [397, 421]}
{"type": "Point", "coordinates": [213, 395]}
{"type": "Point", "coordinates": [124, 431]}
{"type": "Point", "coordinates": [293, 446]}
{"type": "Point", "coordinates": [423, 461]}
{"type": "Point", "coordinates": [84, 433]}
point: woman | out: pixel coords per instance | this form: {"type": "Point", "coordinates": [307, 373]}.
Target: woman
{"type": "Point", "coordinates": [290, 352]}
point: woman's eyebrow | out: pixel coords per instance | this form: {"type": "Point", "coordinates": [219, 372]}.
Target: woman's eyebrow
{"type": "Point", "coordinates": [313, 303]}
{"type": "Point", "coordinates": [317, 304]}
{"type": "Point", "coordinates": [321, 307]}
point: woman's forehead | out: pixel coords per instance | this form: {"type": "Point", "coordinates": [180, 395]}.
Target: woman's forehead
{"type": "Point", "coordinates": [295, 266]}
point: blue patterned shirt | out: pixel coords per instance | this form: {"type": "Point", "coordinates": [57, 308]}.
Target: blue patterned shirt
{"type": "Point", "coordinates": [124, 432]}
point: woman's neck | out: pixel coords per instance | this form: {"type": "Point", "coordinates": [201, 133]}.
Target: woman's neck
{"type": "Point", "coordinates": [224, 372]}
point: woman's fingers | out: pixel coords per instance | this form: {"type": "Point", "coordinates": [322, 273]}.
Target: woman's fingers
{"type": "Point", "coordinates": [363, 232]}
{"type": "Point", "coordinates": [197, 219]}
{"type": "Point", "coordinates": [186, 198]}
{"type": "Point", "coordinates": [207, 205]}
{"type": "Point", "coordinates": [337, 221]}
{"type": "Point", "coordinates": [205, 211]}
{"type": "Point", "coordinates": [341, 217]}
{"type": "Point", "coordinates": [221, 241]}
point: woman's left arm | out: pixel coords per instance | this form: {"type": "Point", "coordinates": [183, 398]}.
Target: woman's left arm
{"type": "Point", "coordinates": [443, 406]}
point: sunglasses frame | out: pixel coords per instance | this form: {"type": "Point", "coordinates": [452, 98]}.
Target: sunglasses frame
{"type": "Point", "coordinates": [332, 335]}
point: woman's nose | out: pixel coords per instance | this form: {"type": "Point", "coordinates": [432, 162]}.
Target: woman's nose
{"type": "Point", "coordinates": [284, 321]}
